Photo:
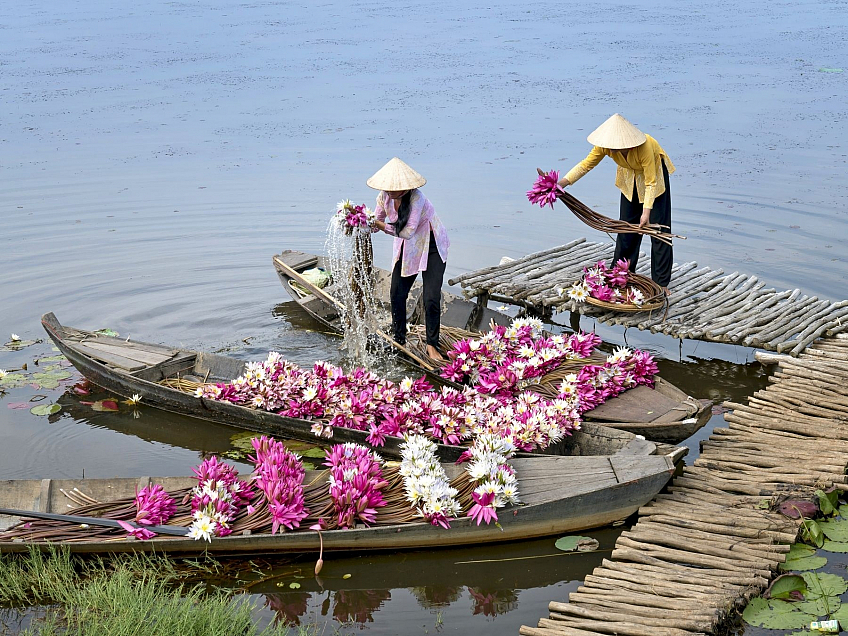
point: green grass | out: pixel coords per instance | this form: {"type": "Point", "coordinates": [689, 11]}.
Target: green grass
{"type": "Point", "coordinates": [126, 595]}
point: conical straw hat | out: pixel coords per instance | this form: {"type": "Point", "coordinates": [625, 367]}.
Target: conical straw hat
{"type": "Point", "coordinates": [616, 133]}
{"type": "Point", "coordinates": [396, 176]}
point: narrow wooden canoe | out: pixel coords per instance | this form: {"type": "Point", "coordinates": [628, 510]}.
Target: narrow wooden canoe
{"type": "Point", "coordinates": [664, 414]}
{"type": "Point", "coordinates": [128, 367]}
{"type": "Point", "coordinates": [559, 494]}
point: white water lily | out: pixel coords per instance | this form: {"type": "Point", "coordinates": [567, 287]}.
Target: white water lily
{"type": "Point", "coordinates": [3, 373]}
{"type": "Point", "coordinates": [619, 355]}
{"type": "Point", "coordinates": [134, 400]}
{"type": "Point", "coordinates": [202, 528]}
{"type": "Point", "coordinates": [16, 337]}
{"type": "Point", "coordinates": [578, 292]}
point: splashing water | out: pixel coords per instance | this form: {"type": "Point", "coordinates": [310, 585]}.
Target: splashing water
{"type": "Point", "coordinates": [351, 256]}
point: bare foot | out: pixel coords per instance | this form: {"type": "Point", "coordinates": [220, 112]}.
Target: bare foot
{"type": "Point", "coordinates": [665, 289]}
{"type": "Point", "coordinates": [434, 353]}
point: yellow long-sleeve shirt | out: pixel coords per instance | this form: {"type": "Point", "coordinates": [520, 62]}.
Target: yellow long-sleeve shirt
{"type": "Point", "coordinates": [642, 164]}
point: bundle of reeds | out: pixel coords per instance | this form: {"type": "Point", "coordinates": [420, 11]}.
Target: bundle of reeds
{"type": "Point", "coordinates": [603, 223]}
{"type": "Point", "coordinates": [653, 294]}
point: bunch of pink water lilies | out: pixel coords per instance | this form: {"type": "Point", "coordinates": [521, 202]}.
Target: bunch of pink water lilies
{"type": "Point", "coordinates": [609, 285]}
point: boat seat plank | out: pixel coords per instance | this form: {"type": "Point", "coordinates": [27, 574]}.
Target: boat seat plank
{"type": "Point", "coordinates": [629, 468]}
{"type": "Point", "coordinates": [638, 448]}
{"type": "Point", "coordinates": [139, 355]}
{"type": "Point", "coordinates": [111, 359]}
{"type": "Point", "coordinates": [84, 337]}
{"type": "Point", "coordinates": [298, 260]}
{"type": "Point", "coordinates": [567, 489]}
{"type": "Point", "coordinates": [639, 404]}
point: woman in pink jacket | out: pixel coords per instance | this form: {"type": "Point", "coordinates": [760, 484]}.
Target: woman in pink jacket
{"type": "Point", "coordinates": [421, 245]}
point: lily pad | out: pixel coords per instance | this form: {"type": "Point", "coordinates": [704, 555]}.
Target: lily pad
{"type": "Point", "coordinates": [787, 586]}
{"type": "Point", "coordinates": [835, 546]}
{"type": "Point", "coordinates": [812, 533]}
{"type": "Point", "coordinates": [823, 606]}
{"type": "Point", "coordinates": [802, 557]}
{"type": "Point", "coordinates": [294, 585]}
{"type": "Point", "coordinates": [16, 345]}
{"type": "Point", "coordinates": [56, 358]}
{"type": "Point", "coordinates": [46, 409]}
{"type": "Point", "coordinates": [775, 614]}
{"type": "Point", "coordinates": [827, 501]}
{"type": "Point", "coordinates": [13, 380]}
{"type": "Point", "coordinates": [823, 584]}
{"type": "Point", "coordinates": [105, 405]}
{"type": "Point", "coordinates": [835, 529]}
{"type": "Point", "coordinates": [18, 405]}
{"type": "Point", "coordinates": [580, 544]}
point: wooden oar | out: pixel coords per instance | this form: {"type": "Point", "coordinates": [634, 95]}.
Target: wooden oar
{"type": "Point", "coordinates": [177, 531]}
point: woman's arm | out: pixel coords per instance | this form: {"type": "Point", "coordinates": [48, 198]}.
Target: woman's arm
{"type": "Point", "coordinates": [592, 159]}
{"type": "Point", "coordinates": [380, 213]}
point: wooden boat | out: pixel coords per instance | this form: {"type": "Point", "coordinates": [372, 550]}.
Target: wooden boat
{"type": "Point", "coordinates": [664, 414]}
{"type": "Point", "coordinates": [559, 494]}
{"type": "Point", "coordinates": [129, 367]}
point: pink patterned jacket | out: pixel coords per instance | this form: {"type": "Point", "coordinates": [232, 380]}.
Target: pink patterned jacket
{"type": "Point", "coordinates": [415, 237]}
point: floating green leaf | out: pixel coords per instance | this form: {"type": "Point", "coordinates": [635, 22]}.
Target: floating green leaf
{"type": "Point", "coordinates": [346, 576]}
{"type": "Point", "coordinates": [580, 544]}
{"type": "Point", "coordinates": [812, 533]}
{"type": "Point", "coordinates": [56, 358]}
{"type": "Point", "coordinates": [775, 614]}
{"type": "Point", "coordinates": [294, 585]}
{"type": "Point", "coordinates": [786, 586]}
{"type": "Point", "coordinates": [823, 606]}
{"type": "Point", "coordinates": [822, 584]}
{"type": "Point", "coordinates": [827, 502]}
{"type": "Point", "coordinates": [46, 409]}
{"type": "Point", "coordinates": [835, 529]}
{"type": "Point", "coordinates": [827, 69]}
{"type": "Point", "coordinates": [835, 546]}
{"type": "Point", "coordinates": [802, 557]}
{"type": "Point", "coordinates": [13, 380]}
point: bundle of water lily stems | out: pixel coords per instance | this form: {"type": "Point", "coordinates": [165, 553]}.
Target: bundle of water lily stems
{"type": "Point", "coordinates": [653, 294]}
{"type": "Point", "coordinates": [612, 226]}
{"type": "Point", "coordinates": [315, 494]}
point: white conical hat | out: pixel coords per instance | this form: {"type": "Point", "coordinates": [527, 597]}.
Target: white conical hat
{"type": "Point", "coordinates": [396, 176]}
{"type": "Point", "coordinates": [616, 133]}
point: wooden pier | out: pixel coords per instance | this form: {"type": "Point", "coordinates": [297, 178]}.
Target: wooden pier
{"type": "Point", "coordinates": [705, 304]}
{"type": "Point", "coordinates": [699, 552]}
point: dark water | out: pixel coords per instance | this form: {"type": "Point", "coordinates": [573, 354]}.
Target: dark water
{"type": "Point", "coordinates": [153, 157]}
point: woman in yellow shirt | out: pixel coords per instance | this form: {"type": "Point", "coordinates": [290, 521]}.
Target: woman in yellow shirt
{"type": "Point", "coordinates": [642, 177]}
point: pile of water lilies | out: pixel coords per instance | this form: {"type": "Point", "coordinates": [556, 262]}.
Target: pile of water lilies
{"type": "Point", "coordinates": [500, 365]}
{"type": "Point", "coordinates": [360, 486]}
{"type": "Point", "coordinates": [362, 401]}
{"type": "Point", "coordinates": [607, 285]}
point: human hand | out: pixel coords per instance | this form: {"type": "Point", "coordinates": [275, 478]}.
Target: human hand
{"type": "Point", "coordinates": [645, 218]}
{"type": "Point", "coordinates": [380, 225]}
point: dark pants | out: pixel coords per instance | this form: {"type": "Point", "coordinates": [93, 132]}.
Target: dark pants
{"type": "Point", "coordinates": [627, 245]}
{"type": "Point", "coordinates": [432, 278]}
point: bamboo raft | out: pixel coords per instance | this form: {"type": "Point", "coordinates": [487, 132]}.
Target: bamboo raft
{"type": "Point", "coordinates": [701, 551]}
{"type": "Point", "coordinates": [704, 304]}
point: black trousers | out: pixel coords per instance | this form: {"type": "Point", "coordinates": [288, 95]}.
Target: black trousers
{"type": "Point", "coordinates": [627, 245]}
{"type": "Point", "coordinates": [432, 278]}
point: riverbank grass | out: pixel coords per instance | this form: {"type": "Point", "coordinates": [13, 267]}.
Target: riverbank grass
{"type": "Point", "coordinates": [125, 595]}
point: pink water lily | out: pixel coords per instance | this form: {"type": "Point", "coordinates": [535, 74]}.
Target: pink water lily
{"type": "Point", "coordinates": [545, 190]}
{"type": "Point", "coordinates": [356, 482]}
{"type": "Point", "coordinates": [142, 534]}
{"type": "Point", "coordinates": [154, 505]}
{"type": "Point", "coordinates": [482, 510]}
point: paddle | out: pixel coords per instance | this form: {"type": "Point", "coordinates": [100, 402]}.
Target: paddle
{"type": "Point", "coordinates": [93, 521]}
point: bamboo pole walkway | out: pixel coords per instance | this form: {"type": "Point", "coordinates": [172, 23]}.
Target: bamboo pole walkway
{"type": "Point", "coordinates": [704, 304]}
{"type": "Point", "coordinates": [701, 550]}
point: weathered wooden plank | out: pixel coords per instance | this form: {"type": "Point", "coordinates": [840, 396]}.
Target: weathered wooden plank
{"type": "Point", "coordinates": [111, 359]}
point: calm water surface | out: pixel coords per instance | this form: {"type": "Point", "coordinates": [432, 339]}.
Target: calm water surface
{"type": "Point", "coordinates": [154, 157]}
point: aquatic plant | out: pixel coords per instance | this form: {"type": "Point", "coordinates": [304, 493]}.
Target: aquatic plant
{"type": "Point", "coordinates": [279, 476]}
{"type": "Point", "coordinates": [546, 189]}
{"type": "Point", "coordinates": [426, 484]}
{"type": "Point", "coordinates": [217, 498]}
{"type": "Point", "coordinates": [494, 480]}
{"type": "Point", "coordinates": [605, 284]}
{"type": "Point", "coordinates": [356, 482]}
